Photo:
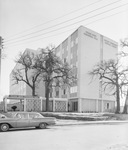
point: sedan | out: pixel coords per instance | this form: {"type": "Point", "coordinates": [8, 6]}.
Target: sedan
{"type": "Point", "coordinates": [24, 120]}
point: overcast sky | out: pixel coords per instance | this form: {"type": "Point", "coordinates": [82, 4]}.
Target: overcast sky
{"type": "Point", "coordinates": [37, 23]}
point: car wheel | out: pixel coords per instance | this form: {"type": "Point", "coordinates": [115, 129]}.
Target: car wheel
{"type": "Point", "coordinates": [4, 127]}
{"type": "Point", "coordinates": [42, 125]}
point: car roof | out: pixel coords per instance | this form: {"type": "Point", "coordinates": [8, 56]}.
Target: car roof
{"type": "Point", "coordinates": [13, 113]}
{"type": "Point", "coordinates": [22, 112]}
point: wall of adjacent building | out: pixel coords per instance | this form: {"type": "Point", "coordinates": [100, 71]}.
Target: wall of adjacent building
{"type": "Point", "coordinates": [16, 89]}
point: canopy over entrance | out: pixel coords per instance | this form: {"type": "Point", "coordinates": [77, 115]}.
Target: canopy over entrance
{"type": "Point", "coordinates": [17, 98]}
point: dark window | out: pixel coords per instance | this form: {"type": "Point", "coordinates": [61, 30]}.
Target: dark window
{"type": "Point", "coordinates": [64, 60]}
{"type": "Point", "coordinates": [57, 93]}
{"type": "Point", "coordinates": [107, 105]}
{"type": "Point", "coordinates": [64, 92]}
{"type": "Point", "coordinates": [75, 106]}
{"type": "Point", "coordinates": [50, 94]}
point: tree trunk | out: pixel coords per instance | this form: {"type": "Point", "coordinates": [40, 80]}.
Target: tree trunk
{"type": "Point", "coordinates": [47, 96]}
{"type": "Point", "coordinates": [33, 90]}
{"type": "Point", "coordinates": [118, 100]}
{"type": "Point", "coordinates": [125, 111]}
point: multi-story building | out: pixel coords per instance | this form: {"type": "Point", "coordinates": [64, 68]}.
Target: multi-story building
{"type": "Point", "coordinates": [82, 50]}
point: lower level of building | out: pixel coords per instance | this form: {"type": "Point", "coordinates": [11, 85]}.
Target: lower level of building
{"type": "Point", "coordinates": [86, 105]}
{"type": "Point", "coordinates": [82, 105]}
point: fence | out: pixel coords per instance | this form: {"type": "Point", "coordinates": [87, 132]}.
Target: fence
{"type": "Point", "coordinates": [39, 104]}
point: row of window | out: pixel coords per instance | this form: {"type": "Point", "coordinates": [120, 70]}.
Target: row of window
{"type": "Point", "coordinates": [64, 92]}
{"type": "Point", "coordinates": [28, 116]}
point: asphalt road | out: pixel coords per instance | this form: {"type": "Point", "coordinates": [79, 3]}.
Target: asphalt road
{"type": "Point", "coordinates": [73, 137]}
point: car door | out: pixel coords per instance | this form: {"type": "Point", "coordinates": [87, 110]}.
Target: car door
{"type": "Point", "coordinates": [22, 120]}
{"type": "Point", "coordinates": [35, 119]}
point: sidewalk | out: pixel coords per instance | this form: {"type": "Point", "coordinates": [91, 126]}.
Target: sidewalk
{"type": "Point", "coordinates": [60, 122]}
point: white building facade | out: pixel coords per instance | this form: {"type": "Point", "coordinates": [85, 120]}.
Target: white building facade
{"type": "Point", "coordinates": [82, 50]}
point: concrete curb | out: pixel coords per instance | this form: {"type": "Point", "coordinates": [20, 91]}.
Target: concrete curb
{"type": "Point", "coordinates": [68, 123]}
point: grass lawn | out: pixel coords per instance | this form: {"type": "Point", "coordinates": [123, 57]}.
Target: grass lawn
{"type": "Point", "coordinates": [86, 116]}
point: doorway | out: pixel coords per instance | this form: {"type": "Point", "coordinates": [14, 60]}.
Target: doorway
{"type": "Point", "coordinates": [75, 106]}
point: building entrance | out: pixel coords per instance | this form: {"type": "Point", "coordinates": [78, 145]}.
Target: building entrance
{"type": "Point", "coordinates": [74, 106]}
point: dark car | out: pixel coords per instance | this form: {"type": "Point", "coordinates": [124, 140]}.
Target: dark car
{"type": "Point", "coordinates": [24, 120]}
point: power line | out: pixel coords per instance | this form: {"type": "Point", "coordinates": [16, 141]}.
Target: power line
{"type": "Point", "coordinates": [71, 24]}
{"type": "Point", "coordinates": [56, 18]}
{"type": "Point", "coordinates": [73, 28]}
{"type": "Point", "coordinates": [64, 21]}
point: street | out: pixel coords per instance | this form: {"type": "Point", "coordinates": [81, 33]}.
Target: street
{"type": "Point", "coordinates": [73, 137]}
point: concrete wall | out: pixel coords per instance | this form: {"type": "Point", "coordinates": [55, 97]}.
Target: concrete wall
{"type": "Point", "coordinates": [39, 104]}
{"type": "Point", "coordinates": [95, 105]}
{"type": "Point", "coordinates": [89, 55]}
{"type": "Point", "coordinates": [93, 48]}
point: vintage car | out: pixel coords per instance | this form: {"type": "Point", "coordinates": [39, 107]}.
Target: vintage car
{"type": "Point", "coordinates": [24, 119]}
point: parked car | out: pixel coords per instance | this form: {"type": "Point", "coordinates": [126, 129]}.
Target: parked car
{"type": "Point", "coordinates": [24, 119]}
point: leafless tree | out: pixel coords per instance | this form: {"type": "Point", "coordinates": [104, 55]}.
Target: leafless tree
{"type": "Point", "coordinates": [124, 44]}
{"type": "Point", "coordinates": [113, 77]}
{"type": "Point", "coordinates": [25, 72]}
{"type": "Point", "coordinates": [55, 72]}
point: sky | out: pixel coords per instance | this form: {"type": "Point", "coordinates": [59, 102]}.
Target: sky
{"type": "Point", "coordinates": [37, 23]}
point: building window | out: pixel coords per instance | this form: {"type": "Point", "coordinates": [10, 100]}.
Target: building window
{"type": "Point", "coordinates": [57, 93]}
{"type": "Point", "coordinates": [107, 105]}
{"type": "Point", "coordinates": [50, 94]}
{"type": "Point", "coordinates": [72, 43]}
{"type": "Point", "coordinates": [73, 89]}
{"type": "Point", "coordinates": [62, 51]}
{"type": "Point", "coordinates": [76, 40]}
{"type": "Point", "coordinates": [65, 60]}
{"type": "Point", "coordinates": [75, 106]}
{"type": "Point", "coordinates": [71, 55]}
{"type": "Point", "coordinates": [64, 91]}
{"type": "Point", "coordinates": [58, 54]}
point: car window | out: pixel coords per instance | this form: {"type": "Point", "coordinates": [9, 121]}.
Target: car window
{"type": "Point", "coordinates": [17, 116]}
{"type": "Point", "coordinates": [34, 116]}
{"type": "Point", "coordinates": [22, 115]}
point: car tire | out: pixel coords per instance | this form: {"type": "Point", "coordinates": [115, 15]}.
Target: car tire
{"type": "Point", "coordinates": [42, 126]}
{"type": "Point", "coordinates": [4, 127]}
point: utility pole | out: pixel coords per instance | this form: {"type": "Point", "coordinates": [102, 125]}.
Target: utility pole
{"type": "Point", "coordinates": [1, 47]}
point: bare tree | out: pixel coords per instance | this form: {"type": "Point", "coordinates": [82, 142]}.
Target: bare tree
{"type": "Point", "coordinates": [55, 72]}
{"type": "Point", "coordinates": [124, 44]}
{"type": "Point", "coordinates": [25, 72]}
{"type": "Point", "coordinates": [113, 76]}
